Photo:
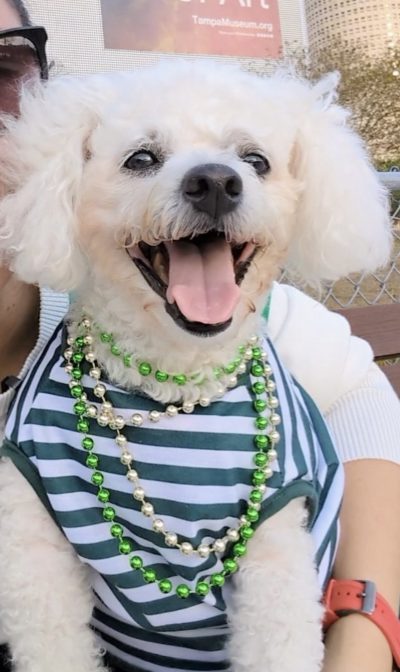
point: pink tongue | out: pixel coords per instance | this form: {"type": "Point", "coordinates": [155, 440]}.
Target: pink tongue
{"type": "Point", "coordinates": [202, 280]}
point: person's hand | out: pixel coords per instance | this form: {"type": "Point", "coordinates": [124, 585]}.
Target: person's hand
{"type": "Point", "coordinates": [354, 644]}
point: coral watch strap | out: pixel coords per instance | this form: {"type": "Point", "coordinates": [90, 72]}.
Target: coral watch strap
{"type": "Point", "coordinates": [344, 597]}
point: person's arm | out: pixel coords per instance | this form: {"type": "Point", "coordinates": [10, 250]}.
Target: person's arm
{"type": "Point", "coordinates": [369, 549]}
{"type": "Point", "coordinates": [365, 424]}
{"type": "Point", "coordinates": [363, 414]}
{"type": "Point", "coordinates": [19, 319]}
{"type": "Point", "coordinates": [40, 327]}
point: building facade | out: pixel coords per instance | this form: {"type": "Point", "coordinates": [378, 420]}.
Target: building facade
{"type": "Point", "coordinates": [372, 24]}
{"type": "Point", "coordinates": [293, 25]}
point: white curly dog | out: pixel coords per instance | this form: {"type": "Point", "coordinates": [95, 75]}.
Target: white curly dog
{"type": "Point", "coordinates": [167, 200]}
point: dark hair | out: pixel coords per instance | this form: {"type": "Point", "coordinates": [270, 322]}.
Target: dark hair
{"type": "Point", "coordinates": [21, 10]}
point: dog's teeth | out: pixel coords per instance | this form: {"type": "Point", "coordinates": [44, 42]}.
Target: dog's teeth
{"type": "Point", "coordinates": [159, 266]}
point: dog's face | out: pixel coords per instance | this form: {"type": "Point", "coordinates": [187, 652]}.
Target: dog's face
{"type": "Point", "coordinates": [181, 190]}
{"type": "Point", "coordinates": [192, 210]}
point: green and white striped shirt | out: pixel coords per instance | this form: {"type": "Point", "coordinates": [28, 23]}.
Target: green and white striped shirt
{"type": "Point", "coordinates": [196, 470]}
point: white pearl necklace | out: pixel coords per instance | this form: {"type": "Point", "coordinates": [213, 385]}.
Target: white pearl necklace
{"type": "Point", "coordinates": [106, 417]}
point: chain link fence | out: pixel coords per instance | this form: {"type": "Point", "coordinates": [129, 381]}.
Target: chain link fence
{"type": "Point", "coordinates": [365, 289]}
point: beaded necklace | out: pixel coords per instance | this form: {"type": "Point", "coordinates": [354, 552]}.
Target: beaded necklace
{"type": "Point", "coordinates": [80, 350]}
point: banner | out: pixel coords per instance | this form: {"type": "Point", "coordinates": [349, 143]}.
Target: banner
{"type": "Point", "coordinates": [245, 28]}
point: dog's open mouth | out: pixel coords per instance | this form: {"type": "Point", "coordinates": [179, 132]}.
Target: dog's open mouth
{"type": "Point", "coordinates": [197, 277]}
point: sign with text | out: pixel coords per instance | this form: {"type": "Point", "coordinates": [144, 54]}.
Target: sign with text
{"type": "Point", "coordinates": [246, 28]}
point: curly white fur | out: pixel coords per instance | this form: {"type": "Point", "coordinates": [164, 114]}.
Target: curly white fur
{"type": "Point", "coordinates": [42, 581]}
{"type": "Point", "coordinates": [320, 210]}
{"type": "Point", "coordinates": [69, 211]}
{"type": "Point", "coordinates": [269, 584]}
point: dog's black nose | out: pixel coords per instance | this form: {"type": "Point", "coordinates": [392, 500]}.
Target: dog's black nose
{"type": "Point", "coordinates": [213, 188]}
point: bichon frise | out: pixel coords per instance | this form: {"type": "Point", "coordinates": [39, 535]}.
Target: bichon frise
{"type": "Point", "coordinates": [169, 493]}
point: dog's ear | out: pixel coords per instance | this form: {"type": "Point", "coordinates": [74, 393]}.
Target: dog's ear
{"type": "Point", "coordinates": [42, 159]}
{"type": "Point", "coordinates": [342, 223]}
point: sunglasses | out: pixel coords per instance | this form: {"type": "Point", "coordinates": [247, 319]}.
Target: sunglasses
{"type": "Point", "coordinates": [22, 55]}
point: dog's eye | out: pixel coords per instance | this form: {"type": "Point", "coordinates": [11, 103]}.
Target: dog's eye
{"type": "Point", "coordinates": [141, 161]}
{"type": "Point", "coordinates": [259, 163]}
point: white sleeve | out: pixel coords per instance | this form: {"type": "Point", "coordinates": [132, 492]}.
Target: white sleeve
{"type": "Point", "coordinates": [365, 422]}
{"type": "Point", "coordinates": [336, 369]}
{"type": "Point", "coordinates": [316, 345]}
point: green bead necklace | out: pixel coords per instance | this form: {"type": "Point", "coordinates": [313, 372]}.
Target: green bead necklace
{"type": "Point", "coordinates": [236, 366]}
{"type": "Point", "coordinates": [80, 350]}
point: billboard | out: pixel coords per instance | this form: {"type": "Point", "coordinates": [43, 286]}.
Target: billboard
{"type": "Point", "coordinates": [241, 28]}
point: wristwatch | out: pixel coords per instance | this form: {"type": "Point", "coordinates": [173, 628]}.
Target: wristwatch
{"type": "Point", "coordinates": [344, 597]}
